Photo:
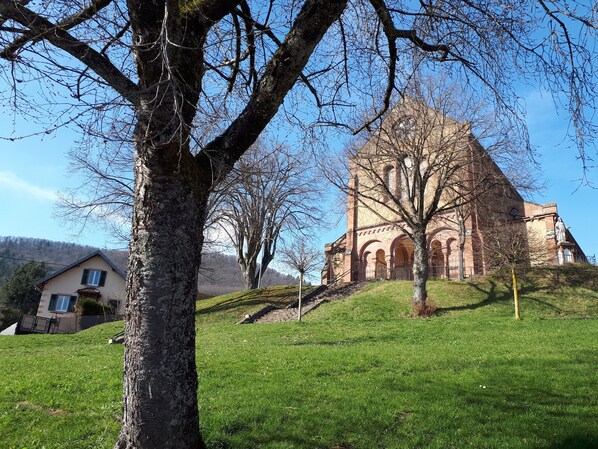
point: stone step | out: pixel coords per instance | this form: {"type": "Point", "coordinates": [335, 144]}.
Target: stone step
{"type": "Point", "coordinates": [278, 316]}
{"type": "Point", "coordinates": [290, 314]}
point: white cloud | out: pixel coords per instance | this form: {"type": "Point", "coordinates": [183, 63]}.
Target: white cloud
{"type": "Point", "coordinates": [10, 181]}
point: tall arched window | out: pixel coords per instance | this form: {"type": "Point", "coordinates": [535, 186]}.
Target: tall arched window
{"type": "Point", "coordinates": [390, 179]}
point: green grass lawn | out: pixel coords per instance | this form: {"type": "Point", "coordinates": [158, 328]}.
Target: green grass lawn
{"type": "Point", "coordinates": [358, 373]}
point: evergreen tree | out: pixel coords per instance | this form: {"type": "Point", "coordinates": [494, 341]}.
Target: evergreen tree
{"type": "Point", "coordinates": [18, 292]}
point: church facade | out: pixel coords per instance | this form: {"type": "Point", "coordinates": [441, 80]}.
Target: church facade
{"type": "Point", "coordinates": [375, 245]}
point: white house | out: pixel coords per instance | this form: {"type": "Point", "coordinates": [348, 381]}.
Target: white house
{"type": "Point", "coordinates": [93, 276]}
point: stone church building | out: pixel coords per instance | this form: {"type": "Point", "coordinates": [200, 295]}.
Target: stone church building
{"type": "Point", "coordinates": [375, 246]}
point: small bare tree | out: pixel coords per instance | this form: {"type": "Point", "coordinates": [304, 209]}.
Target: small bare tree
{"type": "Point", "coordinates": [461, 214]}
{"type": "Point", "coordinates": [269, 192]}
{"type": "Point", "coordinates": [301, 255]}
{"type": "Point", "coordinates": [510, 244]}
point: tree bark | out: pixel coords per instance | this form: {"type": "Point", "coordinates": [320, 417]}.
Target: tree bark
{"type": "Point", "coordinates": [249, 276]}
{"type": "Point", "coordinates": [420, 270]}
{"type": "Point", "coordinates": [160, 378]}
{"type": "Point", "coordinates": [160, 408]}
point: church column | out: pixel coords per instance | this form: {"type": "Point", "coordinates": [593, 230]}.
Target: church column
{"type": "Point", "coordinates": [351, 266]}
{"type": "Point", "coordinates": [393, 260]}
{"type": "Point", "coordinates": [447, 254]}
{"type": "Point", "coordinates": [389, 266]}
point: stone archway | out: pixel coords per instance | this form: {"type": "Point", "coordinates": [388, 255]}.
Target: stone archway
{"type": "Point", "coordinates": [452, 258]}
{"type": "Point", "coordinates": [363, 265]}
{"type": "Point", "coordinates": [368, 260]}
{"type": "Point", "coordinates": [436, 257]}
{"type": "Point", "coordinates": [381, 268]}
{"type": "Point", "coordinates": [402, 259]}
{"type": "Point", "coordinates": [443, 253]}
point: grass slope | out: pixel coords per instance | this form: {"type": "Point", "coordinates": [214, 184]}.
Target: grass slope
{"type": "Point", "coordinates": [358, 373]}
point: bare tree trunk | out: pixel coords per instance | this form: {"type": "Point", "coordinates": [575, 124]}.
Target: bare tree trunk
{"type": "Point", "coordinates": [259, 276]}
{"type": "Point", "coordinates": [461, 271]}
{"type": "Point", "coordinates": [160, 378]}
{"type": "Point", "coordinates": [420, 270]}
{"type": "Point", "coordinates": [515, 292]}
{"type": "Point", "coordinates": [249, 276]}
{"type": "Point", "coordinates": [160, 408]}
{"type": "Point", "coordinates": [252, 272]}
{"type": "Point", "coordinates": [300, 294]}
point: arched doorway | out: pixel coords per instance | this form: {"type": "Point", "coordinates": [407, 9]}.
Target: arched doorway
{"type": "Point", "coordinates": [402, 258]}
{"type": "Point", "coordinates": [372, 261]}
{"type": "Point", "coordinates": [437, 266]}
{"type": "Point", "coordinates": [363, 265]}
{"type": "Point", "coordinates": [381, 268]}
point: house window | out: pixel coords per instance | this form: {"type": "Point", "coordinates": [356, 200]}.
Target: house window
{"type": "Point", "coordinates": [95, 278]}
{"type": "Point", "coordinates": [62, 303]}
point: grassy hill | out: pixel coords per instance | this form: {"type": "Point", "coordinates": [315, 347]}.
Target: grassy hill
{"type": "Point", "coordinates": [358, 373]}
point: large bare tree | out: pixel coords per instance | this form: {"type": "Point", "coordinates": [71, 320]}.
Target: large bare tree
{"type": "Point", "coordinates": [216, 72]}
{"type": "Point", "coordinates": [268, 193]}
{"type": "Point", "coordinates": [426, 162]}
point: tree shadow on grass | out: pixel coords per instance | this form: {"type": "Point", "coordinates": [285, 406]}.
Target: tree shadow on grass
{"type": "Point", "coordinates": [575, 442]}
{"type": "Point", "coordinates": [251, 298]}
{"type": "Point", "coordinates": [544, 303]}
{"type": "Point", "coordinates": [493, 297]}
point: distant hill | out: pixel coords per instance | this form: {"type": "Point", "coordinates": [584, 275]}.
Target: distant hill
{"type": "Point", "coordinates": [220, 273]}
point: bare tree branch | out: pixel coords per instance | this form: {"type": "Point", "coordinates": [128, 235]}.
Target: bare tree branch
{"type": "Point", "coordinates": [269, 192]}
{"type": "Point", "coordinates": [10, 51]}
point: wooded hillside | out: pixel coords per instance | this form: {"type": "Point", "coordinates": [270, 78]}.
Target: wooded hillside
{"type": "Point", "coordinates": [220, 273]}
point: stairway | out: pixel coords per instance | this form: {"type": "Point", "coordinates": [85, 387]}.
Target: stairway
{"type": "Point", "coordinates": [278, 316]}
{"type": "Point", "coordinates": [308, 303]}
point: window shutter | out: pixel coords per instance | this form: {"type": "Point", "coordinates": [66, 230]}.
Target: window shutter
{"type": "Point", "coordinates": [72, 303]}
{"type": "Point", "coordinates": [102, 279]}
{"type": "Point", "coordinates": [52, 305]}
{"type": "Point", "coordinates": [84, 278]}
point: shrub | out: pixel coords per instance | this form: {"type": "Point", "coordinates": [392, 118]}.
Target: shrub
{"type": "Point", "coordinates": [8, 316]}
{"type": "Point", "coordinates": [91, 306]}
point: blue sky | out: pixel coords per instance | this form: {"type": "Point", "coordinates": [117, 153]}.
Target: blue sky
{"type": "Point", "coordinates": [33, 170]}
